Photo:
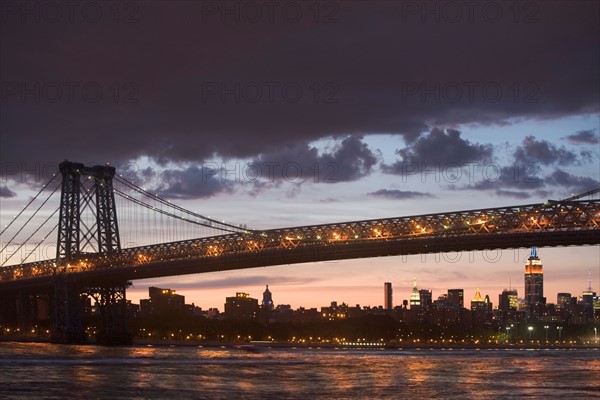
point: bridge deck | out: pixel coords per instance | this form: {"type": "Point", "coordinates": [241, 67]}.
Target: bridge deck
{"type": "Point", "coordinates": [561, 223]}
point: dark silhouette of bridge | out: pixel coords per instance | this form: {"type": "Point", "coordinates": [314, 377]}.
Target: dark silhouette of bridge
{"type": "Point", "coordinates": [91, 261]}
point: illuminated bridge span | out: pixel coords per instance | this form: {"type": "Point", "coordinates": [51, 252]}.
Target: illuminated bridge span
{"type": "Point", "coordinates": [90, 260]}
{"type": "Point", "coordinates": [560, 223]}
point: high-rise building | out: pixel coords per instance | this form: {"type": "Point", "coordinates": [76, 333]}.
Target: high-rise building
{"type": "Point", "coordinates": [387, 296]}
{"type": "Point", "coordinates": [508, 301]}
{"type": "Point", "coordinates": [267, 302]}
{"type": "Point", "coordinates": [588, 298]}
{"type": "Point", "coordinates": [563, 300]}
{"type": "Point", "coordinates": [478, 303]}
{"type": "Point", "coordinates": [425, 298]}
{"type": "Point", "coordinates": [162, 301]}
{"type": "Point", "coordinates": [242, 306]}
{"type": "Point", "coordinates": [534, 284]}
{"type": "Point", "coordinates": [456, 298]}
{"type": "Point", "coordinates": [415, 297]}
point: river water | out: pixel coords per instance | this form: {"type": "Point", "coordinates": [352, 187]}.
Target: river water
{"type": "Point", "coordinates": [50, 371]}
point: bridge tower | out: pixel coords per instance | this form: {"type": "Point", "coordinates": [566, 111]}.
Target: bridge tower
{"type": "Point", "coordinates": [87, 229]}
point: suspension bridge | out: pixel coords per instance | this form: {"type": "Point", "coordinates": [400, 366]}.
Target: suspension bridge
{"type": "Point", "coordinates": [96, 254]}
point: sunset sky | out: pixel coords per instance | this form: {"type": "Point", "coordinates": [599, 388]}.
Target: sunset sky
{"type": "Point", "coordinates": [304, 114]}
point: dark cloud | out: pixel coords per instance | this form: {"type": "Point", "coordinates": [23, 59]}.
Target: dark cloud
{"type": "Point", "coordinates": [576, 184]}
{"type": "Point", "coordinates": [543, 152]}
{"type": "Point", "coordinates": [587, 136]}
{"type": "Point", "coordinates": [5, 192]}
{"type": "Point", "coordinates": [348, 160]}
{"type": "Point", "coordinates": [587, 156]}
{"type": "Point", "coordinates": [518, 178]}
{"type": "Point", "coordinates": [178, 85]}
{"type": "Point", "coordinates": [399, 194]}
{"type": "Point", "coordinates": [513, 194]}
{"type": "Point", "coordinates": [526, 180]}
{"type": "Point", "coordinates": [241, 281]}
{"type": "Point", "coordinates": [192, 182]}
{"type": "Point", "coordinates": [440, 148]}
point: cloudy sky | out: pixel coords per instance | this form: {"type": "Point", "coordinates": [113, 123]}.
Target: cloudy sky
{"type": "Point", "coordinates": [292, 113]}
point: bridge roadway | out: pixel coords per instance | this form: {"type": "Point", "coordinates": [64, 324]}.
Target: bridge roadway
{"type": "Point", "coordinates": [562, 223]}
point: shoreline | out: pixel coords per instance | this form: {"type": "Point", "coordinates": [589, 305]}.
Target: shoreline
{"type": "Point", "coordinates": [329, 346]}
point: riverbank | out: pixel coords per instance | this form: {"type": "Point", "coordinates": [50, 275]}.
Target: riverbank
{"type": "Point", "coordinates": [337, 346]}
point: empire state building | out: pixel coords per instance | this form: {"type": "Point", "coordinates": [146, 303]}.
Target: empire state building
{"type": "Point", "coordinates": [534, 284]}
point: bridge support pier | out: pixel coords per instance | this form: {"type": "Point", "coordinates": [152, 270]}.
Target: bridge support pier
{"type": "Point", "coordinates": [68, 325]}
{"type": "Point", "coordinates": [112, 303]}
{"type": "Point", "coordinates": [8, 310]}
{"type": "Point", "coordinates": [26, 310]}
{"type": "Point", "coordinates": [112, 311]}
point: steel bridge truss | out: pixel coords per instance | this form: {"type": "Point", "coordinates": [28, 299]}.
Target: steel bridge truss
{"type": "Point", "coordinates": [86, 189]}
{"type": "Point", "coordinates": [554, 223]}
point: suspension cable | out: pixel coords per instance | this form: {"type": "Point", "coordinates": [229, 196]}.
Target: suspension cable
{"type": "Point", "coordinates": [30, 236]}
{"type": "Point", "coordinates": [28, 204]}
{"type": "Point", "coordinates": [175, 206]}
{"type": "Point", "coordinates": [161, 211]}
{"type": "Point", "coordinates": [30, 218]}
{"type": "Point", "coordinates": [41, 241]}
{"type": "Point", "coordinates": [232, 228]}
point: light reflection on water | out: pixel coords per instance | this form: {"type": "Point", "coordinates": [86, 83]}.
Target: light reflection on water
{"type": "Point", "coordinates": [47, 371]}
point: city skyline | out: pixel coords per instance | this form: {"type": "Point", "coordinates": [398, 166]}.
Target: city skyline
{"type": "Point", "coordinates": [373, 293]}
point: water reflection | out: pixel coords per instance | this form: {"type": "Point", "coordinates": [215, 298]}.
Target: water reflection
{"type": "Point", "coordinates": [54, 371]}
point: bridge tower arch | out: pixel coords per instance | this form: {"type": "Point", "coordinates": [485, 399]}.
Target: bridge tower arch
{"type": "Point", "coordinates": [87, 191]}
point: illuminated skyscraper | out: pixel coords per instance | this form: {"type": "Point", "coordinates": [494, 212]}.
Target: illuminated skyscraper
{"type": "Point", "coordinates": [387, 296]}
{"type": "Point", "coordinates": [534, 284]}
{"type": "Point", "coordinates": [588, 298]}
{"type": "Point", "coordinates": [415, 297]}
{"type": "Point", "coordinates": [478, 303]}
{"type": "Point", "coordinates": [508, 301]}
{"type": "Point", "coordinates": [563, 300]}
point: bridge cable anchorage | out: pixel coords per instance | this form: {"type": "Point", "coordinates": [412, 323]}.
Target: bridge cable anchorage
{"type": "Point", "coordinates": [30, 218]}
{"type": "Point", "coordinates": [179, 208]}
{"type": "Point", "coordinates": [28, 204]}
{"type": "Point", "coordinates": [30, 236]}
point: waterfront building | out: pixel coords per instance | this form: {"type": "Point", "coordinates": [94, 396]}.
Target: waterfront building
{"type": "Point", "coordinates": [242, 306]}
{"type": "Point", "coordinates": [162, 301]}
